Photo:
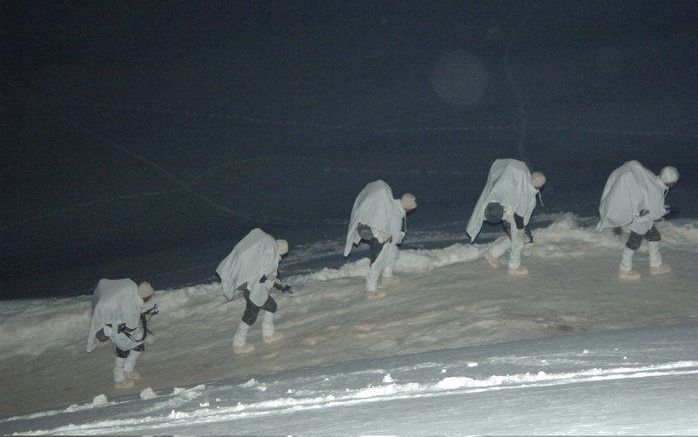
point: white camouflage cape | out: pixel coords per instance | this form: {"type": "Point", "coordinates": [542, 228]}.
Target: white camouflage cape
{"type": "Point", "coordinates": [254, 256]}
{"type": "Point", "coordinates": [375, 207]}
{"type": "Point", "coordinates": [116, 301]}
{"type": "Point", "coordinates": [509, 184]}
{"type": "Point", "coordinates": [630, 189]}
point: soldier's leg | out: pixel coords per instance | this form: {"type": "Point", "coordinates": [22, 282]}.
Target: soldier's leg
{"type": "Point", "coordinates": [120, 381]}
{"type": "Point", "coordinates": [625, 270]}
{"type": "Point", "coordinates": [130, 363]}
{"type": "Point", "coordinates": [657, 266]}
{"type": "Point", "coordinates": [248, 319]}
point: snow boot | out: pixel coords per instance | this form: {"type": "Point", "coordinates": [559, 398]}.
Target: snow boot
{"type": "Point", "coordinates": [491, 259]}
{"type": "Point", "coordinates": [521, 270]}
{"type": "Point", "coordinates": [133, 375]}
{"type": "Point", "coordinates": [276, 336]}
{"type": "Point", "coordinates": [240, 345]}
{"type": "Point", "coordinates": [628, 275]}
{"type": "Point", "coordinates": [244, 349]}
{"type": "Point", "coordinates": [374, 294]}
{"type": "Point", "coordinates": [661, 269]}
{"type": "Point", "coordinates": [390, 280]}
{"type": "Point", "coordinates": [123, 384]}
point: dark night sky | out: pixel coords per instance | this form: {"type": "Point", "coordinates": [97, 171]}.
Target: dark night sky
{"type": "Point", "coordinates": [143, 139]}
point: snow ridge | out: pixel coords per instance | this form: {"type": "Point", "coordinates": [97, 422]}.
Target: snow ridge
{"type": "Point", "coordinates": [182, 410]}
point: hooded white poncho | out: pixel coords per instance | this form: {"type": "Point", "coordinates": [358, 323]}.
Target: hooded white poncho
{"type": "Point", "coordinates": [254, 256]}
{"type": "Point", "coordinates": [509, 184]}
{"type": "Point", "coordinates": [376, 207]}
{"type": "Point", "coordinates": [116, 301]}
{"type": "Point", "coordinates": [630, 189]}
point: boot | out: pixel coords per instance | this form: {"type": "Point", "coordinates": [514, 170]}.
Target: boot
{"type": "Point", "coordinates": [491, 259]}
{"type": "Point", "coordinates": [123, 384]}
{"type": "Point", "coordinates": [660, 269]}
{"type": "Point", "coordinates": [239, 340]}
{"type": "Point", "coordinates": [244, 349]}
{"type": "Point", "coordinates": [657, 266]}
{"type": "Point", "coordinates": [276, 336]}
{"type": "Point", "coordinates": [390, 280]}
{"type": "Point", "coordinates": [129, 365]}
{"type": "Point", "coordinates": [133, 375]}
{"type": "Point", "coordinates": [374, 294]}
{"type": "Point", "coordinates": [268, 334]}
{"type": "Point", "coordinates": [521, 270]}
{"type": "Point", "coordinates": [628, 275]}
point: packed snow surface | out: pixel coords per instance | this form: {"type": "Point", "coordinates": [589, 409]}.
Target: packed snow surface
{"type": "Point", "coordinates": [453, 339]}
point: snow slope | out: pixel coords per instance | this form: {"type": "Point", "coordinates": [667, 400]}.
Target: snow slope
{"type": "Point", "coordinates": [621, 382]}
{"type": "Point", "coordinates": [447, 298]}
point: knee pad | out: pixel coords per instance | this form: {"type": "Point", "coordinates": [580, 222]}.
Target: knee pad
{"type": "Point", "coordinates": [364, 232]}
{"type": "Point", "coordinates": [634, 241]}
{"type": "Point", "coordinates": [139, 348]}
{"type": "Point", "coordinates": [121, 353]}
{"type": "Point", "coordinates": [376, 248]}
{"type": "Point", "coordinates": [251, 313]}
{"type": "Point", "coordinates": [653, 235]}
{"type": "Point", "coordinates": [270, 305]}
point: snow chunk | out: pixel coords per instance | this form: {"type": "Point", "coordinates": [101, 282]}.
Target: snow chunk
{"type": "Point", "coordinates": [99, 400]}
{"type": "Point", "coordinates": [249, 384]}
{"type": "Point", "coordinates": [252, 383]}
{"type": "Point", "coordinates": [472, 364]}
{"type": "Point", "coordinates": [388, 379]}
{"type": "Point", "coordinates": [148, 393]}
{"type": "Point", "coordinates": [453, 382]}
{"type": "Point", "coordinates": [191, 393]}
{"type": "Point", "coordinates": [174, 414]}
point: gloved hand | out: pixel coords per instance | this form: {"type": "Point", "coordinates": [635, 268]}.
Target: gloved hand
{"type": "Point", "coordinates": [283, 288]}
{"type": "Point", "coordinates": [268, 280]}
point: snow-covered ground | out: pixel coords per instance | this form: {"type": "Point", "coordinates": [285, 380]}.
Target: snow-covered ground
{"type": "Point", "coordinates": [454, 347]}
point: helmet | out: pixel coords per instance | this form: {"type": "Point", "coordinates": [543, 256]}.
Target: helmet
{"type": "Point", "coordinates": [408, 201]}
{"type": "Point", "coordinates": [282, 246]}
{"type": "Point", "coordinates": [145, 290]}
{"type": "Point", "coordinates": [669, 175]}
{"type": "Point", "coordinates": [494, 212]}
{"type": "Point", "coordinates": [537, 179]}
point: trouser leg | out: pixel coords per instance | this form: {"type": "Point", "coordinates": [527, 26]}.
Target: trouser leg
{"type": "Point", "coordinates": [653, 238]}
{"type": "Point", "coordinates": [626, 259]}
{"type": "Point", "coordinates": [633, 243]}
{"type": "Point", "coordinates": [517, 245]}
{"type": "Point", "coordinates": [267, 324]}
{"type": "Point", "coordinates": [499, 246]}
{"type": "Point", "coordinates": [390, 256]}
{"type": "Point", "coordinates": [654, 255]}
{"type": "Point", "coordinates": [130, 362]}
{"type": "Point", "coordinates": [119, 368]}
{"type": "Point", "coordinates": [385, 259]}
{"type": "Point", "coordinates": [376, 248]}
{"type": "Point", "coordinates": [241, 334]}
